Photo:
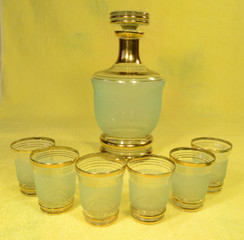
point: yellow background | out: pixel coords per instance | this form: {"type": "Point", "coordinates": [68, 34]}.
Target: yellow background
{"type": "Point", "coordinates": [51, 48]}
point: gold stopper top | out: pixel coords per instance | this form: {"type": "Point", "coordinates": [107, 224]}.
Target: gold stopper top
{"type": "Point", "coordinates": [129, 20]}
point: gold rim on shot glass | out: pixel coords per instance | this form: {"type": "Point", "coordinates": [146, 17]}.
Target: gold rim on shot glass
{"type": "Point", "coordinates": [191, 179]}
{"type": "Point", "coordinates": [23, 147]}
{"type": "Point", "coordinates": [54, 172]}
{"type": "Point", "coordinates": [221, 149]}
{"type": "Point", "coordinates": [100, 182]}
{"type": "Point", "coordinates": [27, 145]}
{"type": "Point", "coordinates": [214, 145]}
{"type": "Point", "coordinates": [108, 156]}
{"type": "Point", "coordinates": [150, 177]}
{"type": "Point", "coordinates": [39, 154]}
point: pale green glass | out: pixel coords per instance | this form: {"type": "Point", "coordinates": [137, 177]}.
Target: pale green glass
{"type": "Point", "coordinates": [100, 182]}
{"type": "Point", "coordinates": [24, 171]}
{"type": "Point", "coordinates": [190, 184]}
{"type": "Point", "coordinates": [127, 108]}
{"type": "Point", "coordinates": [192, 175]}
{"type": "Point", "coordinates": [149, 185]}
{"type": "Point", "coordinates": [55, 188]}
{"type": "Point", "coordinates": [221, 149]}
{"type": "Point", "coordinates": [218, 172]}
{"type": "Point", "coordinates": [23, 148]}
{"type": "Point", "coordinates": [55, 177]}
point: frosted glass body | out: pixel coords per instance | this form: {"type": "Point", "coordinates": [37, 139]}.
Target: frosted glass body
{"type": "Point", "coordinates": [24, 170]}
{"type": "Point", "coordinates": [218, 171]}
{"type": "Point", "coordinates": [149, 196]}
{"type": "Point", "coordinates": [127, 109]}
{"type": "Point", "coordinates": [190, 184]}
{"type": "Point", "coordinates": [55, 187]}
{"type": "Point", "coordinates": [100, 197]}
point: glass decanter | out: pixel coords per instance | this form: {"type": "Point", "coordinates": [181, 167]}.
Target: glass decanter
{"type": "Point", "coordinates": [127, 96]}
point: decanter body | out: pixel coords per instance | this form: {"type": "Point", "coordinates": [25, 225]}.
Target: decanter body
{"type": "Point", "coordinates": [127, 96]}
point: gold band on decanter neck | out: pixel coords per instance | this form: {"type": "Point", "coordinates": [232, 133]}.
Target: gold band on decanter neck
{"type": "Point", "coordinates": [129, 34]}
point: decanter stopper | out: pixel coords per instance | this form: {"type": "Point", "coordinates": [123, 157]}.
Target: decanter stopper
{"type": "Point", "coordinates": [129, 20]}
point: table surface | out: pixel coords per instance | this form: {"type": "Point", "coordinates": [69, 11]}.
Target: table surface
{"type": "Point", "coordinates": [21, 217]}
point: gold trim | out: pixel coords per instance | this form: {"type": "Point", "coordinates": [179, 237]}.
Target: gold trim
{"type": "Point", "coordinates": [190, 164]}
{"type": "Point", "coordinates": [119, 146]}
{"type": "Point", "coordinates": [101, 175]}
{"type": "Point", "coordinates": [128, 34]}
{"type": "Point", "coordinates": [129, 17]}
{"type": "Point", "coordinates": [129, 13]}
{"type": "Point", "coordinates": [127, 155]}
{"type": "Point", "coordinates": [148, 223]}
{"type": "Point", "coordinates": [103, 223]}
{"type": "Point", "coordinates": [144, 157]}
{"type": "Point", "coordinates": [194, 203]}
{"type": "Point", "coordinates": [188, 209]}
{"type": "Point", "coordinates": [135, 215]}
{"type": "Point", "coordinates": [53, 165]}
{"type": "Point", "coordinates": [215, 189]}
{"type": "Point", "coordinates": [213, 139]}
{"type": "Point", "coordinates": [123, 148]}
{"type": "Point", "coordinates": [56, 210]}
{"type": "Point", "coordinates": [27, 191]}
{"type": "Point", "coordinates": [30, 138]}
{"type": "Point", "coordinates": [126, 21]}
{"type": "Point", "coordinates": [148, 217]}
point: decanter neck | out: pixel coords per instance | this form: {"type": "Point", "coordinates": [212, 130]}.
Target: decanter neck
{"type": "Point", "coordinates": [128, 51]}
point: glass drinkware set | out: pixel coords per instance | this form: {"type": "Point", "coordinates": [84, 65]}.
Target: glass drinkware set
{"type": "Point", "coordinates": [127, 104]}
{"type": "Point", "coordinates": [49, 171]}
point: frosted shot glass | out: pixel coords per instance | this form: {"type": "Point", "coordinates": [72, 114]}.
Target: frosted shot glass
{"type": "Point", "coordinates": [192, 175]}
{"type": "Point", "coordinates": [100, 182]}
{"type": "Point", "coordinates": [55, 177]}
{"type": "Point", "coordinates": [149, 185]}
{"type": "Point", "coordinates": [23, 148]}
{"type": "Point", "coordinates": [221, 149]}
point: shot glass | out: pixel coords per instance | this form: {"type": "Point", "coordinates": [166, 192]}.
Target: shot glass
{"type": "Point", "coordinates": [23, 148]}
{"type": "Point", "coordinates": [54, 175]}
{"type": "Point", "coordinates": [221, 149]}
{"type": "Point", "coordinates": [192, 175]}
{"type": "Point", "coordinates": [100, 181]}
{"type": "Point", "coordinates": [149, 185]}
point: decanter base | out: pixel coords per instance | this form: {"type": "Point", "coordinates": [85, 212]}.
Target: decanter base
{"type": "Point", "coordinates": [127, 148]}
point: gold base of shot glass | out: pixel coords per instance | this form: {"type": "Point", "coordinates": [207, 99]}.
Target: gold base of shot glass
{"type": "Point", "coordinates": [23, 148]}
{"type": "Point", "coordinates": [57, 210]}
{"type": "Point", "coordinates": [215, 189]}
{"type": "Point", "coordinates": [191, 179]}
{"type": "Point", "coordinates": [187, 206]}
{"type": "Point", "coordinates": [106, 221]}
{"type": "Point", "coordinates": [147, 219]}
{"type": "Point", "coordinates": [221, 149]}
{"type": "Point", "coordinates": [27, 190]}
